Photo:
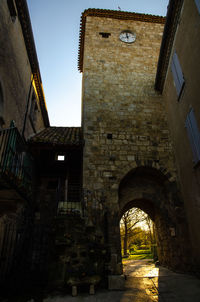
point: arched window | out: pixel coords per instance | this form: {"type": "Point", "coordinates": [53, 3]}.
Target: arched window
{"type": "Point", "coordinates": [1, 107]}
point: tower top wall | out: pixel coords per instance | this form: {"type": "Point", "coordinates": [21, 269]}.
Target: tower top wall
{"type": "Point", "coordinates": [112, 14]}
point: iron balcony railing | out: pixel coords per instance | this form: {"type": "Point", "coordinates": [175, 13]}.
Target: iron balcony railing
{"type": "Point", "coordinates": [68, 207]}
{"type": "Point", "coordinates": [73, 203]}
{"type": "Point", "coordinates": [16, 165]}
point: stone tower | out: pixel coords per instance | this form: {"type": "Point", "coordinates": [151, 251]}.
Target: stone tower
{"type": "Point", "coordinates": [128, 157]}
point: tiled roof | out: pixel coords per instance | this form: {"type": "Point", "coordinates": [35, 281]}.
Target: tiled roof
{"type": "Point", "coordinates": [68, 136]}
{"type": "Point", "coordinates": [105, 13]}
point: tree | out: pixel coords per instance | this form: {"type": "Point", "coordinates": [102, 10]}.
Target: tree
{"type": "Point", "coordinates": [128, 223]}
{"type": "Point", "coordinates": [151, 230]}
{"type": "Point", "coordinates": [140, 238]}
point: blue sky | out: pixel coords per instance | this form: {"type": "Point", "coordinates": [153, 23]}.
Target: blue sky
{"type": "Point", "coordinates": [56, 25]}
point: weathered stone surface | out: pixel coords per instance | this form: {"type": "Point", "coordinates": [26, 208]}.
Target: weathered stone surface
{"type": "Point", "coordinates": [116, 282]}
{"type": "Point", "coordinates": [126, 131]}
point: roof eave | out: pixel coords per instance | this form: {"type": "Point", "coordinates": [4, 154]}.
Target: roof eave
{"type": "Point", "coordinates": [173, 16]}
{"type": "Point", "coordinates": [24, 18]}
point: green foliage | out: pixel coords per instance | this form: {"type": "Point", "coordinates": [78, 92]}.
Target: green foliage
{"type": "Point", "coordinates": [140, 252]}
{"type": "Point", "coordinates": [137, 234]}
{"type": "Point", "coordinates": [144, 247]}
{"type": "Point", "coordinates": [138, 257]}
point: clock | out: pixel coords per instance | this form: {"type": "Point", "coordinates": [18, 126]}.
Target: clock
{"type": "Point", "coordinates": [127, 36]}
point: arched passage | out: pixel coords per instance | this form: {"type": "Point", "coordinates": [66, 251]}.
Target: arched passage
{"type": "Point", "coordinates": [137, 233]}
{"type": "Point", "coordinates": [150, 190]}
{"type": "Point", "coordinates": [163, 228]}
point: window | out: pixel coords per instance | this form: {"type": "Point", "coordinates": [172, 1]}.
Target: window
{"type": "Point", "coordinates": [109, 136]}
{"type": "Point", "coordinates": [60, 157]}
{"type": "Point", "coordinates": [177, 74]}
{"type": "Point", "coordinates": [194, 135]}
{"type": "Point", "coordinates": [12, 9]}
{"type": "Point", "coordinates": [62, 195]}
{"type": "Point", "coordinates": [105, 35]}
{"type": "Point", "coordinates": [198, 5]}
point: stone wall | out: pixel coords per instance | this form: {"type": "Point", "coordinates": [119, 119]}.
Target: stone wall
{"type": "Point", "coordinates": [123, 117]}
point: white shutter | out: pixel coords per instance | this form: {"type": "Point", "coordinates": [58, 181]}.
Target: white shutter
{"type": "Point", "coordinates": [177, 73]}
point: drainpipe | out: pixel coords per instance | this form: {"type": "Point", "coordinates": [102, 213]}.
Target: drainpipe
{"type": "Point", "coordinates": [27, 106]}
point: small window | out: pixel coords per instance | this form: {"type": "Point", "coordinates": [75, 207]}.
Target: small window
{"type": "Point", "coordinates": [60, 157]}
{"type": "Point", "coordinates": [105, 35]}
{"type": "Point", "coordinates": [12, 9]}
{"type": "Point", "coordinates": [194, 135]}
{"type": "Point", "coordinates": [177, 74]}
{"type": "Point", "coordinates": [109, 136]}
{"type": "Point", "coordinates": [198, 5]}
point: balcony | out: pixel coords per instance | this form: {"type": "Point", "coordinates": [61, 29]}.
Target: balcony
{"type": "Point", "coordinates": [16, 165]}
{"type": "Point", "coordinates": [72, 208]}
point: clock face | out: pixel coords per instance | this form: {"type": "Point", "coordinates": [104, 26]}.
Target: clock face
{"type": "Point", "coordinates": [127, 36]}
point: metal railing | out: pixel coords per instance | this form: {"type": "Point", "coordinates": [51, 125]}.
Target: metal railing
{"type": "Point", "coordinates": [67, 207]}
{"type": "Point", "coordinates": [16, 165]}
{"type": "Point", "coordinates": [74, 203]}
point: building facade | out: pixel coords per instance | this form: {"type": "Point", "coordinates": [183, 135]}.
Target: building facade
{"type": "Point", "coordinates": [178, 80]}
{"type": "Point", "coordinates": [22, 113]}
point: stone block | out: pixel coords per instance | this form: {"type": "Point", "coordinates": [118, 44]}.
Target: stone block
{"type": "Point", "coordinates": [116, 282]}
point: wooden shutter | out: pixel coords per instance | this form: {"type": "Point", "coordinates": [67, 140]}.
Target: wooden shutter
{"type": "Point", "coordinates": [193, 134]}
{"type": "Point", "coordinates": [177, 73]}
{"type": "Point", "coordinates": [198, 5]}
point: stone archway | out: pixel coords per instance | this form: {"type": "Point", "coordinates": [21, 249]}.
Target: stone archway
{"type": "Point", "coordinates": [150, 190]}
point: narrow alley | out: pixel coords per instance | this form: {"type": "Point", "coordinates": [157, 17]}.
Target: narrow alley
{"type": "Point", "coordinates": [145, 283]}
